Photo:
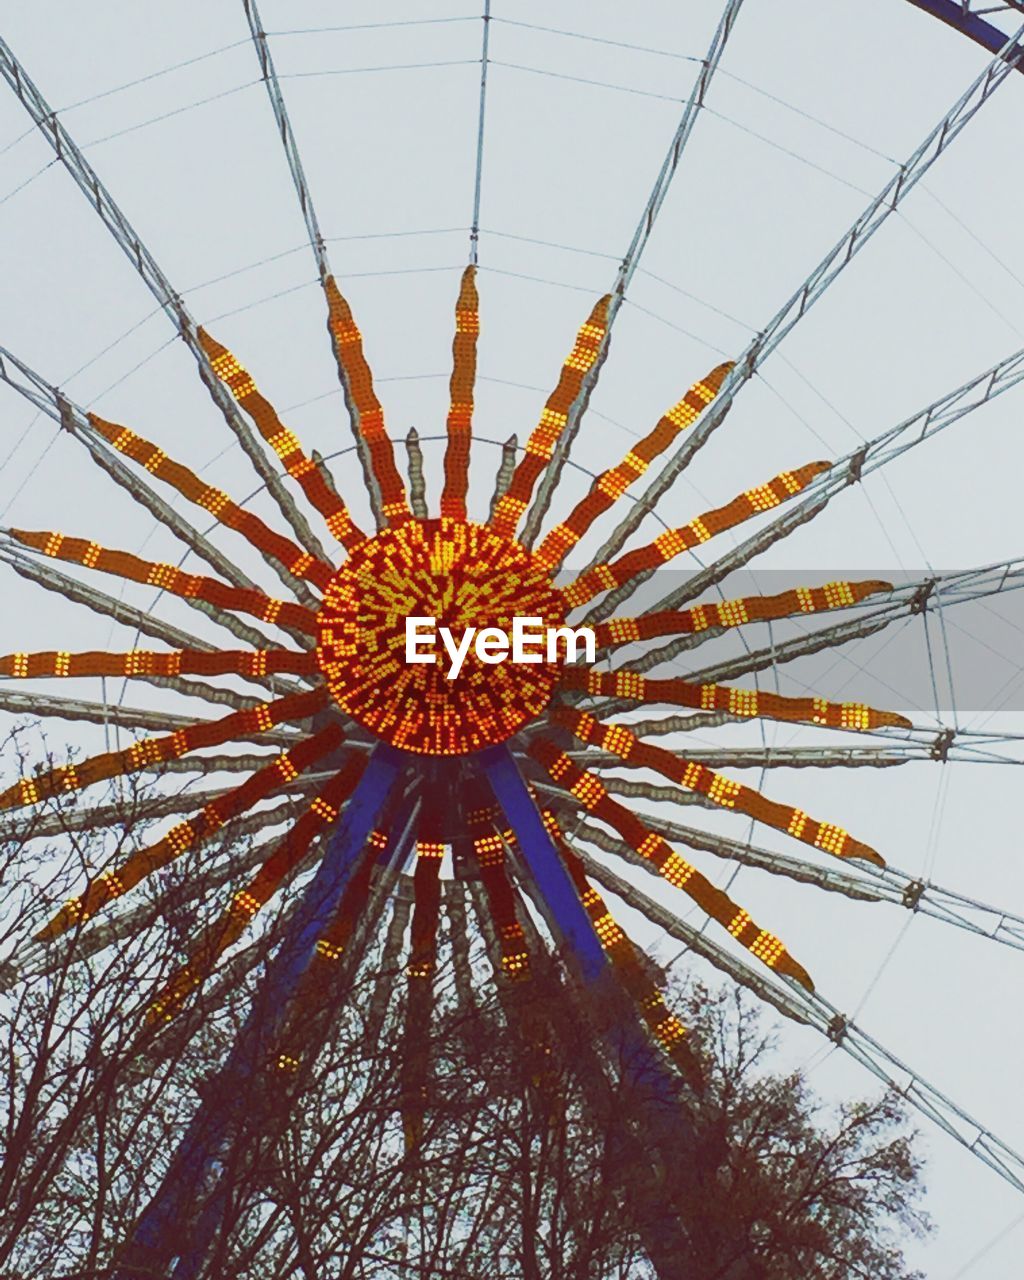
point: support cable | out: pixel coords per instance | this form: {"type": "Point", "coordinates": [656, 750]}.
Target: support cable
{"type": "Point", "coordinates": [474, 231]}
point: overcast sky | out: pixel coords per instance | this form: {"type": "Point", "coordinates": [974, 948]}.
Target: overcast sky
{"type": "Point", "coordinates": [814, 107]}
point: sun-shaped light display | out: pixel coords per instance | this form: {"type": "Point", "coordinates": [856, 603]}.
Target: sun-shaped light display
{"type": "Point", "coordinates": [348, 658]}
{"type": "Point", "coordinates": [463, 576]}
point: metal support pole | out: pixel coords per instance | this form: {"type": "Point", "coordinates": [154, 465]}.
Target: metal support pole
{"type": "Point", "coordinates": [213, 1213]}
{"type": "Point", "coordinates": [668, 1133]}
{"type": "Point", "coordinates": [163, 1233]}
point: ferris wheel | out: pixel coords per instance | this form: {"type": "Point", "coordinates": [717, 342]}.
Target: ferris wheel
{"type": "Point", "coordinates": [541, 798]}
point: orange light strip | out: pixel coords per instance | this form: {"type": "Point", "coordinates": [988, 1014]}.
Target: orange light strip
{"type": "Point", "coordinates": [489, 848]}
{"type": "Point", "coordinates": [676, 870]}
{"type": "Point", "coordinates": [738, 702]}
{"type": "Point", "coordinates": [286, 445]}
{"type": "Point", "coordinates": [720, 790]}
{"type": "Point", "coordinates": [191, 586]}
{"type": "Point", "coordinates": [460, 414]}
{"type": "Point", "coordinates": [150, 751]}
{"type": "Point", "coordinates": [542, 441]}
{"type": "Point", "coordinates": [288, 766]}
{"type": "Point", "coordinates": [734, 613]}
{"type": "Point", "coordinates": [665, 1026]}
{"type": "Point", "coordinates": [144, 662]}
{"type": "Point", "coordinates": [612, 484]}
{"type": "Point", "coordinates": [332, 944]}
{"type": "Point", "coordinates": [673, 542]}
{"type": "Point", "coordinates": [247, 902]}
{"type": "Point", "coordinates": [369, 416]}
{"type": "Point", "coordinates": [219, 505]}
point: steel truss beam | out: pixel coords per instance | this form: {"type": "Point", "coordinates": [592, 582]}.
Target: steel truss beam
{"type": "Point", "coordinates": [966, 17]}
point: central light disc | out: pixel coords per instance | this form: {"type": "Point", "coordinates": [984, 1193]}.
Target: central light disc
{"type": "Point", "coordinates": [462, 575]}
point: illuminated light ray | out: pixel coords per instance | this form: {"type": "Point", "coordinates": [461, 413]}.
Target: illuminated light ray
{"type": "Point", "coordinates": [721, 791]}
{"type": "Point", "coordinates": [150, 751]}
{"type": "Point", "coordinates": [190, 586]}
{"type": "Point", "coordinates": [613, 483]}
{"type": "Point", "coordinates": [283, 442]}
{"type": "Point", "coordinates": [460, 413]}
{"type": "Point", "coordinates": [419, 972]}
{"type": "Point", "coordinates": [735, 613]}
{"type": "Point", "coordinates": [488, 842]}
{"type": "Point", "coordinates": [247, 902]}
{"type": "Point", "coordinates": [216, 502]}
{"type": "Point", "coordinates": [366, 408]}
{"type": "Point", "coordinates": [145, 662]}
{"type": "Point", "coordinates": [593, 797]}
{"type": "Point", "coordinates": [541, 444]}
{"type": "Point", "coordinates": [333, 943]}
{"type": "Point", "coordinates": [666, 1028]}
{"type": "Point", "coordinates": [188, 835]}
{"type": "Point", "coordinates": [673, 542]}
{"type": "Point", "coordinates": [336, 945]}
{"type": "Point", "coordinates": [44, 573]}
{"type": "Point", "coordinates": [737, 702]}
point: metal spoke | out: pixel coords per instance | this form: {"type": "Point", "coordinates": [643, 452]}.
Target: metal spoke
{"type": "Point", "coordinates": [417, 484]}
{"type": "Point", "coordinates": [62, 708]}
{"type": "Point", "coordinates": [485, 46]}
{"type": "Point", "coordinates": [553, 471]}
{"type": "Point", "coordinates": [957, 587]}
{"type": "Point", "coordinates": [821, 278]}
{"type": "Point", "coordinates": [506, 470]}
{"type": "Point", "coordinates": [62, 410]}
{"type": "Point", "coordinates": [860, 880]}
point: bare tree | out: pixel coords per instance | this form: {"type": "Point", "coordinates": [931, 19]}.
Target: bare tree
{"type": "Point", "coordinates": [522, 1161]}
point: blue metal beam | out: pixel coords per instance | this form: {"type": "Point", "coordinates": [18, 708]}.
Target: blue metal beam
{"type": "Point", "coordinates": [214, 1210]}
{"type": "Point", "coordinates": [163, 1232]}
{"type": "Point", "coordinates": [654, 1089]}
{"type": "Point", "coordinates": [951, 12]}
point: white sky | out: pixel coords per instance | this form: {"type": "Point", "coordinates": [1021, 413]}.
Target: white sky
{"type": "Point", "coordinates": [761, 193]}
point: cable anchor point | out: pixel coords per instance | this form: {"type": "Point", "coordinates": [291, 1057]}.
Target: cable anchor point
{"type": "Point", "coordinates": [941, 745]}
{"type": "Point", "coordinates": [838, 1028]}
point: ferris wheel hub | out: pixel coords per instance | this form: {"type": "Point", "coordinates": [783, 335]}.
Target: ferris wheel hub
{"type": "Point", "coordinates": [455, 576]}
